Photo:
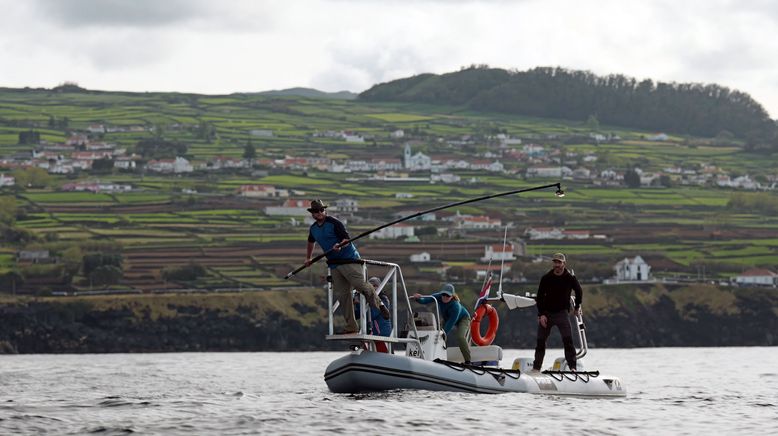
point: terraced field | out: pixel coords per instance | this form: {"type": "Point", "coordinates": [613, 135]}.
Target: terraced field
{"type": "Point", "coordinates": [156, 226]}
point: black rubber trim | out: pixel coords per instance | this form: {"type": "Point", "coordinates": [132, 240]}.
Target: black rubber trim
{"type": "Point", "coordinates": [371, 369]}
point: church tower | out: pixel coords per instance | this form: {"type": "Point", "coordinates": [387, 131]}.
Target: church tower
{"type": "Point", "coordinates": [407, 156]}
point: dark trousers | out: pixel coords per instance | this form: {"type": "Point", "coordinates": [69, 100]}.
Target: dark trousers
{"type": "Point", "coordinates": [562, 322]}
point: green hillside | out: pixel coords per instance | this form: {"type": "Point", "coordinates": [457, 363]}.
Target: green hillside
{"type": "Point", "coordinates": [685, 108]}
{"type": "Point", "coordinates": [682, 222]}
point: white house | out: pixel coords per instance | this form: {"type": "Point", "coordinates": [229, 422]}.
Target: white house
{"type": "Point", "coordinates": [353, 138]}
{"type": "Point", "coordinates": [421, 257]}
{"type": "Point", "coordinates": [124, 162]}
{"type": "Point", "coordinates": [346, 205]}
{"type": "Point", "coordinates": [6, 181]}
{"type": "Point", "coordinates": [762, 277]}
{"type": "Point", "coordinates": [544, 233]}
{"type": "Point", "coordinates": [658, 137]}
{"type": "Point", "coordinates": [262, 191]}
{"type": "Point", "coordinates": [635, 269]}
{"type": "Point", "coordinates": [177, 165]}
{"type": "Point", "coordinates": [289, 208]}
{"type": "Point", "coordinates": [397, 134]}
{"type": "Point", "coordinates": [394, 232]}
{"type": "Point", "coordinates": [477, 222]}
{"type": "Point", "coordinates": [576, 234]}
{"type": "Point", "coordinates": [556, 172]}
{"type": "Point", "coordinates": [445, 178]}
{"type": "Point", "coordinates": [498, 253]}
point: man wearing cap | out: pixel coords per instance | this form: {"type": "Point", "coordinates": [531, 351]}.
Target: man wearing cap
{"type": "Point", "coordinates": [332, 237]}
{"type": "Point", "coordinates": [453, 313]}
{"type": "Point", "coordinates": [553, 303]}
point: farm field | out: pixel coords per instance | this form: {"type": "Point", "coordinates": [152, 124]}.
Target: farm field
{"type": "Point", "coordinates": [679, 229]}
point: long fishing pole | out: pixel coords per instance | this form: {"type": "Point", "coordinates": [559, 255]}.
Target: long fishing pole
{"type": "Point", "coordinates": [559, 193]}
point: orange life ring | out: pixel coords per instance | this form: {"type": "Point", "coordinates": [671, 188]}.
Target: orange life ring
{"type": "Point", "coordinates": [475, 325]}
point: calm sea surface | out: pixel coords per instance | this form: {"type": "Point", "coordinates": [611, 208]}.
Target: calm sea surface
{"type": "Point", "coordinates": [670, 391]}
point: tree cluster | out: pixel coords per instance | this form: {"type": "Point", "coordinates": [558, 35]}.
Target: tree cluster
{"type": "Point", "coordinates": [685, 108]}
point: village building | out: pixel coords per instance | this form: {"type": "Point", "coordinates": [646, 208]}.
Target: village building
{"type": "Point", "coordinates": [498, 253]}
{"type": "Point", "coordinates": [482, 270]}
{"type": "Point", "coordinates": [535, 233]}
{"type": "Point", "coordinates": [416, 162]}
{"type": "Point", "coordinates": [262, 191]}
{"type": "Point", "coordinates": [630, 270]}
{"type": "Point", "coordinates": [556, 172]}
{"type": "Point", "coordinates": [124, 162]}
{"type": "Point", "coordinates": [481, 222]}
{"type": "Point", "coordinates": [445, 178]}
{"type": "Point", "coordinates": [346, 205]}
{"type": "Point", "coordinates": [393, 232]}
{"type": "Point", "coordinates": [658, 137]}
{"type": "Point", "coordinates": [757, 276]}
{"type": "Point", "coordinates": [289, 208]}
{"type": "Point", "coordinates": [533, 150]}
{"type": "Point", "coordinates": [95, 187]}
{"type": "Point", "coordinates": [77, 139]}
{"type": "Point", "coordinates": [353, 138]}
{"type": "Point", "coordinates": [494, 167]}
{"type": "Point", "coordinates": [222, 162]}
{"type": "Point", "coordinates": [177, 165]}
{"type": "Point", "coordinates": [420, 257]}
{"type": "Point", "coordinates": [96, 128]}
{"type": "Point", "coordinates": [6, 180]}
{"type": "Point", "coordinates": [34, 256]}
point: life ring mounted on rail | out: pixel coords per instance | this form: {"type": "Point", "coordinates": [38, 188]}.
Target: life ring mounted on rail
{"type": "Point", "coordinates": [475, 325]}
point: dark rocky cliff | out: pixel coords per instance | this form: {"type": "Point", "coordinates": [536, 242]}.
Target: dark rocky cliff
{"type": "Point", "coordinates": [626, 316]}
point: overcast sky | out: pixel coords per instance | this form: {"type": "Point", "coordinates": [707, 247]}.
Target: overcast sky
{"type": "Point", "coordinates": [225, 46]}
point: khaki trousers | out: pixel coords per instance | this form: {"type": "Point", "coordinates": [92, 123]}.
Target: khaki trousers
{"type": "Point", "coordinates": [346, 277]}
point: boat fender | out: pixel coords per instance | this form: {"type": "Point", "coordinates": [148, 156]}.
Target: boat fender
{"type": "Point", "coordinates": [475, 326]}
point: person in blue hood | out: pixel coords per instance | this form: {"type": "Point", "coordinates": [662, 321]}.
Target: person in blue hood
{"type": "Point", "coordinates": [453, 314]}
{"type": "Point", "coordinates": [378, 326]}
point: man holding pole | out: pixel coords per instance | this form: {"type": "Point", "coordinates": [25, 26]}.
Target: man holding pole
{"type": "Point", "coordinates": [343, 261]}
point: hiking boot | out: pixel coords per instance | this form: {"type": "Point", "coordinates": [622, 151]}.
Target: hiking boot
{"type": "Point", "coordinates": [384, 312]}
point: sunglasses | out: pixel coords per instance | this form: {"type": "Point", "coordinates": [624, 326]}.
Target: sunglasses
{"type": "Point", "coordinates": [314, 212]}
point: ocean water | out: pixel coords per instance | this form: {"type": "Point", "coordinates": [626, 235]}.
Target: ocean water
{"type": "Point", "coordinates": [670, 391]}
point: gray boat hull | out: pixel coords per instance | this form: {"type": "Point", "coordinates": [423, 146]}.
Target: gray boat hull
{"type": "Point", "coordinates": [366, 371]}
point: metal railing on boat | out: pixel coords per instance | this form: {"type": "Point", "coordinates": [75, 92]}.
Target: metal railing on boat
{"type": "Point", "coordinates": [391, 277]}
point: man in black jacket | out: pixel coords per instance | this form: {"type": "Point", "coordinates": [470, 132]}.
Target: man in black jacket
{"type": "Point", "coordinates": [553, 303]}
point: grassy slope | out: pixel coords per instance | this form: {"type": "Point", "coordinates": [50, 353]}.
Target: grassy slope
{"type": "Point", "coordinates": [675, 224]}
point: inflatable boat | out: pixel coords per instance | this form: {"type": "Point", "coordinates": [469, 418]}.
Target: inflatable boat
{"type": "Point", "coordinates": [426, 363]}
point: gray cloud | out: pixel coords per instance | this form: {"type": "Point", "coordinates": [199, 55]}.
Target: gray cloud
{"type": "Point", "coordinates": [136, 13]}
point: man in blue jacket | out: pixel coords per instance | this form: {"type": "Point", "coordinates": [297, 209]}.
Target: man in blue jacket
{"type": "Point", "coordinates": [453, 314]}
{"type": "Point", "coordinates": [331, 234]}
{"type": "Point", "coordinates": [553, 303]}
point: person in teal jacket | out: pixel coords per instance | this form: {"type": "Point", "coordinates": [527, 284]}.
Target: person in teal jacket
{"type": "Point", "coordinates": [453, 314]}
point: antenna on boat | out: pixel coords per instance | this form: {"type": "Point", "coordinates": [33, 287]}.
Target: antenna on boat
{"type": "Point", "coordinates": [558, 193]}
{"type": "Point", "coordinates": [502, 261]}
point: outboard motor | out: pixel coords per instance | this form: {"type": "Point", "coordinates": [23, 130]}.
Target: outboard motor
{"type": "Point", "coordinates": [433, 342]}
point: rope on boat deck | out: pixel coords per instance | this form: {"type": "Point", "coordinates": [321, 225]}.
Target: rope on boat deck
{"type": "Point", "coordinates": [575, 375]}
{"type": "Point", "coordinates": [480, 370]}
